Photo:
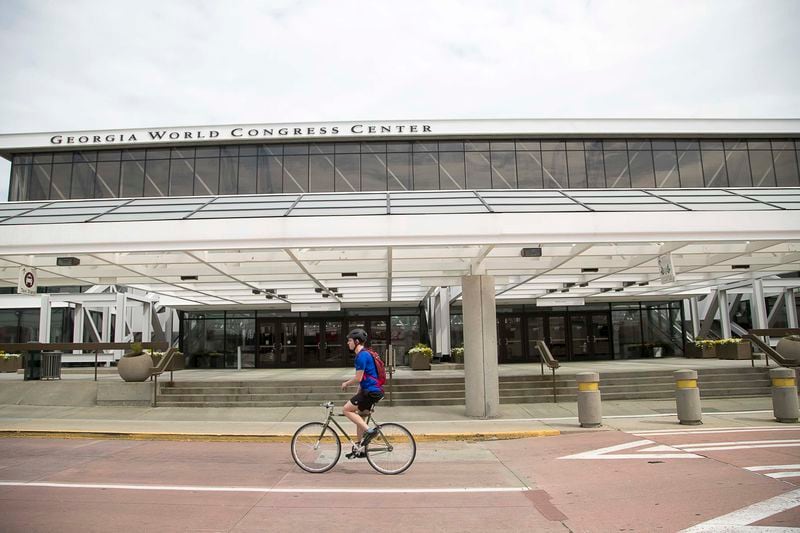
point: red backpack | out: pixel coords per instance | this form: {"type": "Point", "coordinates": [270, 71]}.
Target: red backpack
{"type": "Point", "coordinates": [379, 366]}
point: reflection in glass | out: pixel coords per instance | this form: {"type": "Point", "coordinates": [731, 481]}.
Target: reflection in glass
{"type": "Point", "coordinates": [452, 170]}
{"type": "Point", "coordinates": [60, 185]}
{"type": "Point", "coordinates": [270, 174]}
{"type": "Point", "coordinates": [132, 178]}
{"type": "Point", "coordinates": [107, 184]}
{"type": "Point", "coordinates": [504, 170]}
{"type": "Point", "coordinates": [228, 174]}
{"type": "Point", "coordinates": [576, 168]}
{"type": "Point", "coordinates": [156, 178]}
{"type": "Point", "coordinates": [399, 172]}
{"type": "Point", "coordinates": [320, 173]}
{"type": "Point", "coordinates": [295, 173]}
{"type": "Point", "coordinates": [641, 166]}
{"type": "Point", "coordinates": [595, 170]}
{"type": "Point", "coordinates": [690, 168]}
{"type": "Point", "coordinates": [181, 179]}
{"type": "Point", "coordinates": [763, 173]}
{"type": "Point", "coordinates": [617, 175]}
{"type": "Point", "coordinates": [347, 176]}
{"type": "Point", "coordinates": [529, 169]}
{"type": "Point", "coordinates": [716, 175]}
{"type": "Point", "coordinates": [247, 175]}
{"type": "Point", "coordinates": [738, 169]}
{"type": "Point", "coordinates": [373, 172]}
{"type": "Point", "coordinates": [786, 173]}
{"type": "Point", "coordinates": [83, 180]}
{"type": "Point", "coordinates": [20, 182]}
{"type": "Point", "coordinates": [666, 167]}
{"type": "Point", "coordinates": [479, 173]}
{"type": "Point", "coordinates": [426, 170]}
{"type": "Point", "coordinates": [40, 182]}
{"type": "Point", "coordinates": [554, 166]}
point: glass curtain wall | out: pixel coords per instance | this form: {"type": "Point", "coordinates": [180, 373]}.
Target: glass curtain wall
{"type": "Point", "coordinates": [403, 166]}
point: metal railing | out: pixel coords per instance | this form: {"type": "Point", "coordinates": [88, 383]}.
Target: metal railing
{"type": "Point", "coordinates": [755, 337]}
{"type": "Point", "coordinates": [546, 358]}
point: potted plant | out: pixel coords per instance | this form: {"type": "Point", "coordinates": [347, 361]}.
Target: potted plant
{"type": "Point", "coordinates": [789, 347]}
{"type": "Point", "coordinates": [420, 356]}
{"type": "Point", "coordinates": [707, 348]}
{"type": "Point", "coordinates": [458, 354]}
{"type": "Point", "coordinates": [136, 365]}
{"type": "Point", "coordinates": [733, 349]}
{"type": "Point", "coordinates": [10, 362]}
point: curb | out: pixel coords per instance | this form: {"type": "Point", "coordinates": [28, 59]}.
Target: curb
{"type": "Point", "coordinates": [216, 437]}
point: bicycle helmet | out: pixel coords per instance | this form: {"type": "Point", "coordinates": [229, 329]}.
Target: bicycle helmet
{"type": "Point", "coordinates": [358, 335]}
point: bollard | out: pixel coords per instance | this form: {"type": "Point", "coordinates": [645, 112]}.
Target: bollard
{"type": "Point", "coordinates": [589, 409]}
{"type": "Point", "coordinates": [687, 396]}
{"type": "Point", "coordinates": [784, 395]}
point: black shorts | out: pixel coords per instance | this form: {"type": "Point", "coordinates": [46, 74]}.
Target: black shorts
{"type": "Point", "coordinates": [365, 400]}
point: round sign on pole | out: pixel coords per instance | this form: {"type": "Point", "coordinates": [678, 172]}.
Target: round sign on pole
{"type": "Point", "coordinates": [27, 281]}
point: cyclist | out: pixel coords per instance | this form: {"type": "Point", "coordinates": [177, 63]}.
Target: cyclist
{"type": "Point", "coordinates": [369, 391]}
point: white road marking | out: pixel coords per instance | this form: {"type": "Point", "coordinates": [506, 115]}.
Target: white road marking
{"type": "Point", "coordinates": [609, 452]}
{"type": "Point", "coordinates": [197, 488]}
{"type": "Point", "coordinates": [771, 467]}
{"type": "Point", "coordinates": [740, 520]}
{"type": "Point", "coordinates": [703, 431]}
{"type": "Point", "coordinates": [789, 470]}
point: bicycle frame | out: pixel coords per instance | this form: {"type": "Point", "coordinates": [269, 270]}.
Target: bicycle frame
{"type": "Point", "coordinates": [331, 418]}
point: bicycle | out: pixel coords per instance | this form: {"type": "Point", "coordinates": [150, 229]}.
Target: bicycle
{"type": "Point", "coordinates": [317, 447]}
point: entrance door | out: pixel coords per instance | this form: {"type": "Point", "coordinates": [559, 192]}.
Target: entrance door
{"type": "Point", "coordinates": [277, 343]}
{"type": "Point", "coordinates": [557, 336]}
{"type": "Point", "coordinates": [589, 336]}
{"type": "Point", "coordinates": [323, 343]}
{"type": "Point", "coordinates": [509, 339]}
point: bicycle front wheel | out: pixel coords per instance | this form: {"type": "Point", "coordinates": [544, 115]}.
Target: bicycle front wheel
{"type": "Point", "coordinates": [316, 447]}
{"type": "Point", "coordinates": [392, 450]}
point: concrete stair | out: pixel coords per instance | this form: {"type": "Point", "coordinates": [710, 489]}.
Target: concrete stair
{"type": "Point", "coordinates": [658, 385]}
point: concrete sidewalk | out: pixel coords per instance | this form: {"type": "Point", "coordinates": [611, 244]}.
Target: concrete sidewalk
{"type": "Point", "coordinates": [427, 423]}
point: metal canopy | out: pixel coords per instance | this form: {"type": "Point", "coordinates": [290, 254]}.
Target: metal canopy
{"type": "Point", "coordinates": [597, 244]}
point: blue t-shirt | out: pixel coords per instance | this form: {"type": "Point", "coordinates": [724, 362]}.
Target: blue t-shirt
{"type": "Point", "coordinates": [369, 382]}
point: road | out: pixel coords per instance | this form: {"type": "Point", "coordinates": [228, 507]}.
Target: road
{"type": "Point", "coordinates": [658, 480]}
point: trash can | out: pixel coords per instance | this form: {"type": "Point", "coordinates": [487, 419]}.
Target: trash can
{"type": "Point", "coordinates": [51, 365]}
{"type": "Point", "coordinates": [33, 365]}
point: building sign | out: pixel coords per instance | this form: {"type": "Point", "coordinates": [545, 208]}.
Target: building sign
{"type": "Point", "coordinates": [27, 283]}
{"type": "Point", "coordinates": [558, 302]}
{"type": "Point", "coordinates": [666, 268]}
{"type": "Point", "coordinates": [239, 133]}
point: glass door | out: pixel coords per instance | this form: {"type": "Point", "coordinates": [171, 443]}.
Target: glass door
{"type": "Point", "coordinates": [557, 336]}
{"type": "Point", "coordinates": [509, 339]}
{"type": "Point", "coordinates": [277, 343]}
{"type": "Point", "coordinates": [312, 344]}
{"type": "Point", "coordinates": [333, 344]}
{"type": "Point", "coordinates": [589, 336]}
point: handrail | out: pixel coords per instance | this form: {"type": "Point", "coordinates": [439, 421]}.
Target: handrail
{"type": "Point", "coordinates": [546, 358]}
{"type": "Point", "coordinates": [754, 336]}
{"type": "Point", "coordinates": [160, 368]}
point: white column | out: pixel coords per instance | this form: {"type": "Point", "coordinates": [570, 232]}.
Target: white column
{"type": "Point", "coordinates": [105, 333]}
{"type": "Point", "coordinates": [119, 324]}
{"type": "Point", "coordinates": [443, 322]}
{"type": "Point", "coordinates": [147, 321]}
{"type": "Point", "coordinates": [791, 308]}
{"type": "Point", "coordinates": [480, 347]}
{"type": "Point", "coordinates": [724, 317]}
{"type": "Point", "coordinates": [758, 309]}
{"type": "Point", "coordinates": [694, 310]}
{"type": "Point", "coordinates": [44, 319]}
{"type": "Point", "coordinates": [77, 325]}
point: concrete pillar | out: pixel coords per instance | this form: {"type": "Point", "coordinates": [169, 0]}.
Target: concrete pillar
{"type": "Point", "coordinates": [724, 316]}
{"type": "Point", "coordinates": [694, 310]}
{"type": "Point", "coordinates": [687, 397]}
{"type": "Point", "coordinates": [147, 321]}
{"type": "Point", "coordinates": [44, 319]}
{"type": "Point", "coordinates": [590, 414]}
{"type": "Point", "coordinates": [480, 346]}
{"type": "Point", "coordinates": [119, 324]}
{"type": "Point", "coordinates": [758, 309]}
{"type": "Point", "coordinates": [784, 395]}
{"type": "Point", "coordinates": [105, 332]}
{"type": "Point", "coordinates": [77, 325]}
{"type": "Point", "coordinates": [791, 308]}
{"type": "Point", "coordinates": [443, 322]}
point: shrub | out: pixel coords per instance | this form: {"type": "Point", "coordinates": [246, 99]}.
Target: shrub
{"type": "Point", "coordinates": [421, 349]}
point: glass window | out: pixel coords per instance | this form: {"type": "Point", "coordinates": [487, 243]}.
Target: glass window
{"type": "Point", "coordinates": [716, 175]}
{"type": "Point", "coordinates": [452, 171]}
{"type": "Point", "coordinates": [82, 180]}
{"type": "Point", "coordinates": [232, 151]}
{"type": "Point", "coordinates": [576, 168]}
{"type": "Point", "coordinates": [206, 176]}
{"type": "Point", "coordinates": [373, 172]}
{"type": "Point", "coordinates": [182, 152]}
{"type": "Point", "coordinates": [247, 175]}
{"type": "Point", "coordinates": [399, 172]}
{"type": "Point", "coordinates": [666, 167]}
{"type": "Point", "coordinates": [107, 184]}
{"type": "Point", "coordinates": [247, 150]}
{"type": "Point", "coordinates": [421, 146]}
{"type": "Point", "coordinates": [627, 332]}
{"type": "Point", "coordinates": [321, 148]}
{"type": "Point", "coordinates": [426, 171]}
{"type": "Point", "coordinates": [710, 145]}
{"type": "Point", "coordinates": [528, 145]}
{"type": "Point", "coordinates": [479, 173]}
{"type": "Point", "coordinates": [529, 169]}
{"type": "Point", "coordinates": [270, 149]}
{"type": "Point", "coordinates": [476, 146]}
{"type": "Point", "coordinates": [738, 168]}
{"type": "Point", "coordinates": [156, 178]}
{"type": "Point", "coordinates": [553, 145]}
{"type": "Point", "coordinates": [347, 148]}
{"type": "Point", "coordinates": [398, 147]}
{"type": "Point", "coordinates": [763, 173]}
{"type": "Point", "coordinates": [133, 155]}
{"type": "Point", "coordinates": [759, 145]}
{"type": "Point", "coordinates": [641, 167]}
{"type": "Point", "coordinates": [617, 172]}
{"type": "Point", "coordinates": [158, 153]}
{"type": "Point", "coordinates": [451, 146]}
{"type": "Point", "coordinates": [39, 188]}
{"type": "Point", "coordinates": [63, 157]}
{"type": "Point", "coordinates": [347, 176]}
{"type": "Point", "coordinates": [20, 182]}
{"type": "Point", "coordinates": [228, 174]}
{"type": "Point", "coordinates": [62, 175]}
{"type": "Point", "coordinates": [270, 174]}
{"type": "Point", "coordinates": [786, 174]}
{"type": "Point", "coordinates": [554, 165]}
{"type": "Point", "coordinates": [181, 177]}
{"type": "Point", "coordinates": [23, 159]}
{"type": "Point", "coordinates": [595, 170]}
{"type": "Point", "coordinates": [320, 173]}
{"type": "Point", "coordinates": [295, 173]}
{"type": "Point", "coordinates": [638, 144]}
{"type": "Point", "coordinates": [109, 155]}
{"type": "Point", "coordinates": [690, 168]}
{"type": "Point", "coordinates": [208, 151]}
{"type": "Point", "coordinates": [42, 159]}
{"type": "Point", "coordinates": [373, 148]}
{"type": "Point", "coordinates": [132, 178]}
{"type": "Point", "coordinates": [502, 146]}
{"type": "Point", "coordinates": [504, 170]}
{"type": "Point", "coordinates": [663, 145]}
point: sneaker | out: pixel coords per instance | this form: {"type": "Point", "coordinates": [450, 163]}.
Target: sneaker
{"type": "Point", "coordinates": [368, 436]}
{"type": "Point", "coordinates": [356, 453]}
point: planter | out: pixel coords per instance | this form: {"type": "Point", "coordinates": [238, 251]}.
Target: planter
{"type": "Point", "coordinates": [741, 350]}
{"type": "Point", "coordinates": [789, 347]}
{"type": "Point", "coordinates": [692, 350]}
{"type": "Point", "coordinates": [135, 367]}
{"type": "Point", "coordinates": [419, 361]}
{"type": "Point", "coordinates": [10, 364]}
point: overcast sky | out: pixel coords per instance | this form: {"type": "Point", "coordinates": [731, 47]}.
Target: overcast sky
{"type": "Point", "coordinates": [111, 64]}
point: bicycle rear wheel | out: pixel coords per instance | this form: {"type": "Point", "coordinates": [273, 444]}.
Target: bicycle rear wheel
{"type": "Point", "coordinates": [392, 450]}
{"type": "Point", "coordinates": [316, 447]}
